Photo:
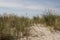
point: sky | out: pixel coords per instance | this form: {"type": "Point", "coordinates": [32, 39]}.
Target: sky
{"type": "Point", "coordinates": [28, 7]}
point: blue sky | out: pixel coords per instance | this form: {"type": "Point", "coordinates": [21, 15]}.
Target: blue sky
{"type": "Point", "coordinates": [29, 7]}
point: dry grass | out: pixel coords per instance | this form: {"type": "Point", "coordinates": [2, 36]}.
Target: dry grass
{"type": "Point", "coordinates": [20, 26]}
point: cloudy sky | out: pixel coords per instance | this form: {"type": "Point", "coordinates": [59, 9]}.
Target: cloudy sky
{"type": "Point", "coordinates": [29, 7]}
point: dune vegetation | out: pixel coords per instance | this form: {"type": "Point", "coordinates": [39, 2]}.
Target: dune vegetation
{"type": "Point", "coordinates": [13, 27]}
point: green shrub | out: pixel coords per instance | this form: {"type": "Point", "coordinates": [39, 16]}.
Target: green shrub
{"type": "Point", "coordinates": [52, 20]}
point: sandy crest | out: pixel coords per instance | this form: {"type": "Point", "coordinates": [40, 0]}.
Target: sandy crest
{"type": "Point", "coordinates": [39, 32]}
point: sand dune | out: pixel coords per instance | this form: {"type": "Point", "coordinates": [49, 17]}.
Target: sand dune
{"type": "Point", "coordinates": [39, 32]}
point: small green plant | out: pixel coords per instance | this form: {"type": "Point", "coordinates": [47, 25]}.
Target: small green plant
{"type": "Point", "coordinates": [49, 19]}
{"type": "Point", "coordinates": [52, 20]}
{"type": "Point", "coordinates": [36, 19]}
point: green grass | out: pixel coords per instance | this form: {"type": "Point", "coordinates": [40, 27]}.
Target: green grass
{"type": "Point", "coordinates": [15, 25]}
{"type": "Point", "coordinates": [52, 20]}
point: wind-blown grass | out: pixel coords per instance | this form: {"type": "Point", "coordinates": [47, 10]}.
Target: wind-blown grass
{"type": "Point", "coordinates": [15, 26]}
{"type": "Point", "coordinates": [18, 27]}
{"type": "Point", "coordinates": [52, 20]}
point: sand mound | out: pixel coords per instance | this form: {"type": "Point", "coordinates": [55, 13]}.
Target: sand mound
{"type": "Point", "coordinates": [39, 32]}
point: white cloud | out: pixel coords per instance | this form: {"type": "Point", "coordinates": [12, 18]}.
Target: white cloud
{"type": "Point", "coordinates": [23, 5]}
{"type": "Point", "coordinates": [6, 4]}
{"type": "Point", "coordinates": [35, 7]}
{"type": "Point", "coordinates": [20, 5]}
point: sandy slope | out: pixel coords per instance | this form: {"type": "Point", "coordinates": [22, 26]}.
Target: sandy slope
{"type": "Point", "coordinates": [38, 32]}
{"type": "Point", "coordinates": [43, 33]}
